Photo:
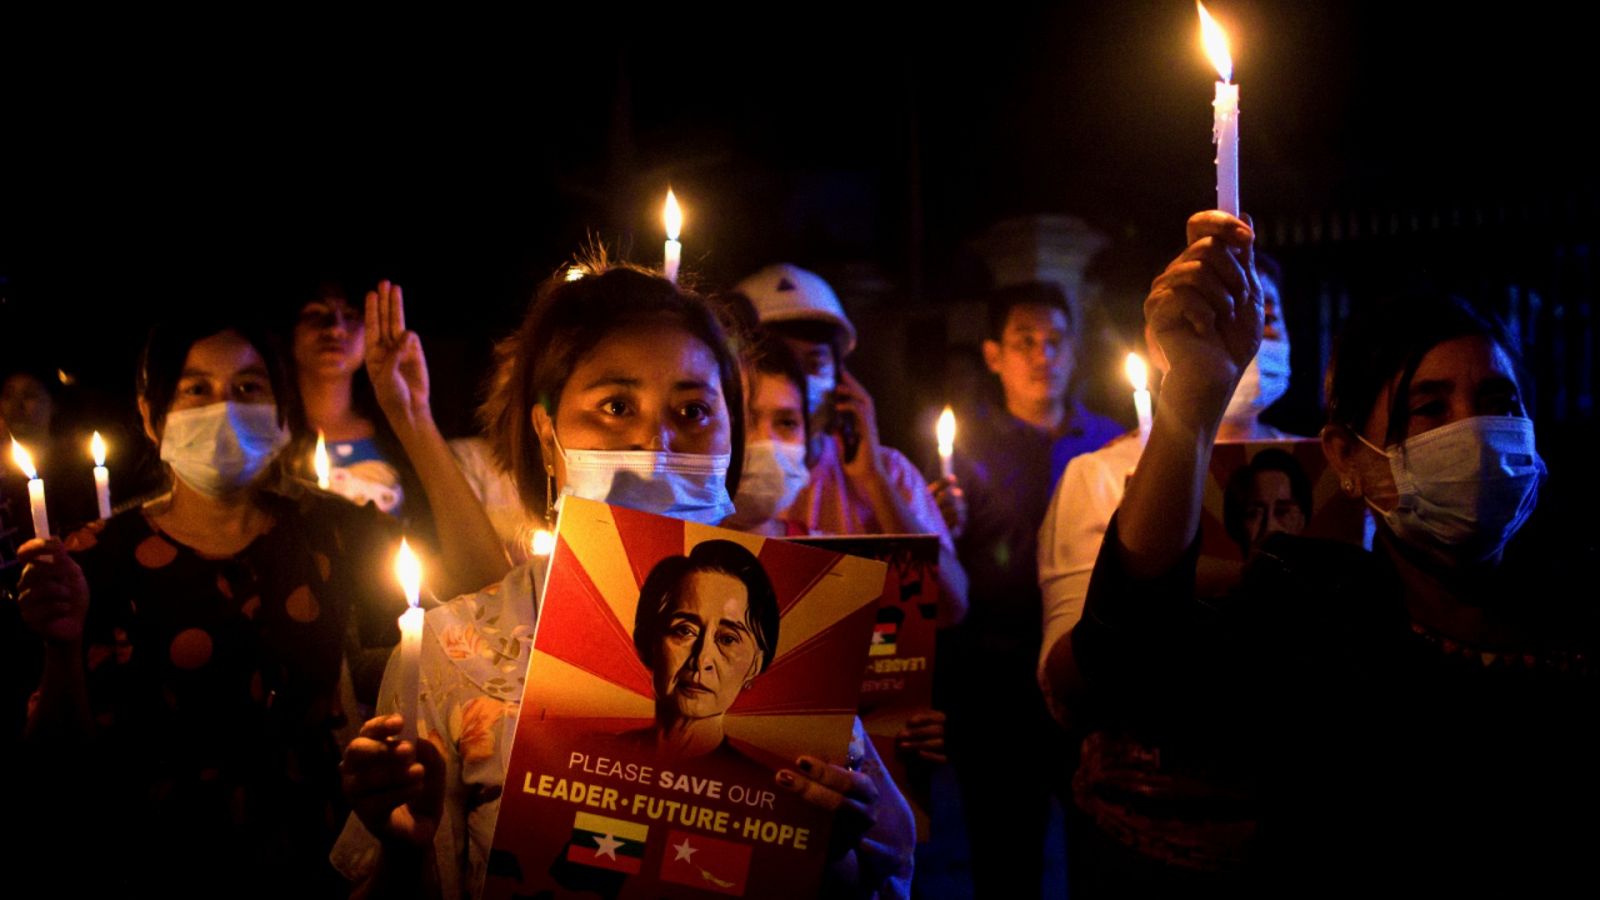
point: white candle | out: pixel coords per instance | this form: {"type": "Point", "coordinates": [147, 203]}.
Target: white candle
{"type": "Point", "coordinates": [319, 462]}
{"type": "Point", "coordinates": [102, 478]}
{"type": "Point", "coordinates": [1224, 113]}
{"type": "Point", "coordinates": [945, 432]}
{"type": "Point", "coordinates": [409, 570]}
{"type": "Point", "coordinates": [1139, 377]}
{"type": "Point", "coordinates": [672, 217]}
{"type": "Point", "coordinates": [41, 519]}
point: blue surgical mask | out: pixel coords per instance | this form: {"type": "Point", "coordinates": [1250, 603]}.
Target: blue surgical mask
{"type": "Point", "coordinates": [1265, 381]}
{"type": "Point", "coordinates": [221, 448]}
{"type": "Point", "coordinates": [774, 474]}
{"type": "Point", "coordinates": [1466, 487]}
{"type": "Point", "coordinates": [688, 486]}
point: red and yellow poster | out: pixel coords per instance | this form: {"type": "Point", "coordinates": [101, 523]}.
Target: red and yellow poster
{"type": "Point", "coordinates": [898, 682]}
{"type": "Point", "coordinates": [675, 668]}
{"type": "Point", "coordinates": [1259, 488]}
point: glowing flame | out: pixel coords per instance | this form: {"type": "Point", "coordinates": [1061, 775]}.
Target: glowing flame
{"type": "Point", "coordinates": [19, 455]}
{"type": "Point", "coordinates": [945, 431]}
{"type": "Point", "coordinates": [408, 569]}
{"type": "Point", "coordinates": [1216, 44]}
{"type": "Point", "coordinates": [672, 216]}
{"type": "Point", "coordinates": [97, 448]}
{"type": "Point", "coordinates": [1138, 372]}
{"type": "Point", "coordinates": [574, 273]}
{"type": "Point", "coordinates": [544, 543]}
{"type": "Point", "coordinates": [319, 462]}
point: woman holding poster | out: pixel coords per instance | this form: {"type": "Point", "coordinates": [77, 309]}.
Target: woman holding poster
{"type": "Point", "coordinates": [618, 387]}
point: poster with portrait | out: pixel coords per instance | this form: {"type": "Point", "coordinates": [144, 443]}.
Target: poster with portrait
{"type": "Point", "coordinates": [898, 680]}
{"type": "Point", "coordinates": [675, 668]}
{"type": "Point", "coordinates": [1259, 488]}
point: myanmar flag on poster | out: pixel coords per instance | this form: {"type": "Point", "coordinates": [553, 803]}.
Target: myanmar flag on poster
{"type": "Point", "coordinates": [706, 863]}
{"type": "Point", "coordinates": [884, 637]}
{"type": "Point", "coordinates": [607, 843]}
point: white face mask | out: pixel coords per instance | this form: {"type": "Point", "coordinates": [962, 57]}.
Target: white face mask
{"type": "Point", "coordinates": [689, 486]}
{"type": "Point", "coordinates": [220, 449]}
{"type": "Point", "coordinates": [1465, 487]}
{"type": "Point", "coordinates": [1264, 382]}
{"type": "Point", "coordinates": [774, 474]}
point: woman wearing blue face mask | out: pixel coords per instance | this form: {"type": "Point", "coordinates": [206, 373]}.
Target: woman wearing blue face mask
{"type": "Point", "coordinates": [1421, 713]}
{"type": "Point", "coordinates": [618, 387]}
{"type": "Point", "coordinates": [195, 644]}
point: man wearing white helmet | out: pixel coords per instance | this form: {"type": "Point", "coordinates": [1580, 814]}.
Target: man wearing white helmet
{"type": "Point", "coordinates": [858, 486]}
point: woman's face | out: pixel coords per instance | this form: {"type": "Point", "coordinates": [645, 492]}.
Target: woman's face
{"type": "Point", "coordinates": [1458, 379]}
{"type": "Point", "coordinates": [775, 405]}
{"type": "Point", "coordinates": [1271, 507]}
{"type": "Point", "coordinates": [706, 653]}
{"type": "Point", "coordinates": [329, 339]}
{"type": "Point", "coordinates": [221, 368]}
{"type": "Point", "coordinates": [640, 389]}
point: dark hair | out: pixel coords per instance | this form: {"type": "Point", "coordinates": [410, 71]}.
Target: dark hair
{"type": "Point", "coordinates": [1390, 338]}
{"type": "Point", "coordinates": [167, 348]}
{"type": "Point", "coordinates": [1267, 266]}
{"type": "Point", "coordinates": [661, 586]}
{"type": "Point", "coordinates": [1001, 301]}
{"type": "Point", "coordinates": [566, 321]}
{"type": "Point", "coordinates": [1236, 496]}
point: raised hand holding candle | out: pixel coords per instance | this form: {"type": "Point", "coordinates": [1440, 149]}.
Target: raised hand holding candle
{"type": "Point", "coordinates": [1224, 112]}
{"type": "Point", "coordinates": [409, 570]}
{"type": "Point", "coordinates": [24, 461]}
{"type": "Point", "coordinates": [672, 217]}
{"type": "Point", "coordinates": [1139, 377]}
{"type": "Point", "coordinates": [319, 462]}
{"type": "Point", "coordinates": [945, 431]}
{"type": "Point", "coordinates": [102, 478]}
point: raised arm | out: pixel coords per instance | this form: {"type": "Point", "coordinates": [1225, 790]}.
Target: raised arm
{"type": "Point", "coordinates": [472, 552]}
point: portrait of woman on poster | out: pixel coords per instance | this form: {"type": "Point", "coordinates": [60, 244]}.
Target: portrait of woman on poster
{"type": "Point", "coordinates": [706, 626]}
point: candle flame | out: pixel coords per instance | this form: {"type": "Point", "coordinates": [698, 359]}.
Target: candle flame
{"type": "Point", "coordinates": [408, 569]}
{"type": "Point", "coordinates": [672, 216]}
{"type": "Point", "coordinates": [574, 273]}
{"type": "Point", "coordinates": [945, 431]}
{"type": "Point", "coordinates": [97, 448]}
{"type": "Point", "coordinates": [1215, 41]}
{"type": "Point", "coordinates": [319, 462]}
{"type": "Point", "coordinates": [1138, 372]}
{"type": "Point", "coordinates": [544, 542]}
{"type": "Point", "coordinates": [24, 461]}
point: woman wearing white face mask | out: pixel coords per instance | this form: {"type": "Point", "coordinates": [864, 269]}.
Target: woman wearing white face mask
{"type": "Point", "coordinates": [775, 453]}
{"type": "Point", "coordinates": [617, 387]}
{"type": "Point", "coordinates": [1422, 711]}
{"type": "Point", "coordinates": [195, 644]}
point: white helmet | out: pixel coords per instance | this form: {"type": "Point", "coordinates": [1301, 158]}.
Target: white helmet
{"type": "Point", "coordinates": [787, 293]}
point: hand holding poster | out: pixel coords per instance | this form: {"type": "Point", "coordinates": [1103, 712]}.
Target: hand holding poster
{"type": "Point", "coordinates": [676, 668]}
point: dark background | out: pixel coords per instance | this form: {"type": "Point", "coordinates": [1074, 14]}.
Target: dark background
{"type": "Point", "coordinates": [149, 165]}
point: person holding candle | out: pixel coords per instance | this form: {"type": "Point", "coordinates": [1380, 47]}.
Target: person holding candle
{"type": "Point", "coordinates": [619, 360]}
{"type": "Point", "coordinates": [196, 646]}
{"type": "Point", "coordinates": [31, 414]}
{"type": "Point", "coordinates": [363, 382]}
{"type": "Point", "coordinates": [1433, 695]}
{"type": "Point", "coordinates": [858, 486]}
{"type": "Point", "coordinates": [1090, 489]}
{"type": "Point", "coordinates": [1004, 473]}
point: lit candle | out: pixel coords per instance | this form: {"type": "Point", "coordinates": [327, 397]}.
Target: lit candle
{"type": "Point", "coordinates": [319, 461]}
{"type": "Point", "coordinates": [41, 520]}
{"type": "Point", "coordinates": [409, 570]}
{"type": "Point", "coordinates": [1224, 113]}
{"type": "Point", "coordinates": [945, 431]}
{"type": "Point", "coordinates": [102, 478]}
{"type": "Point", "coordinates": [544, 543]}
{"type": "Point", "coordinates": [1139, 377]}
{"type": "Point", "coordinates": [672, 216]}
